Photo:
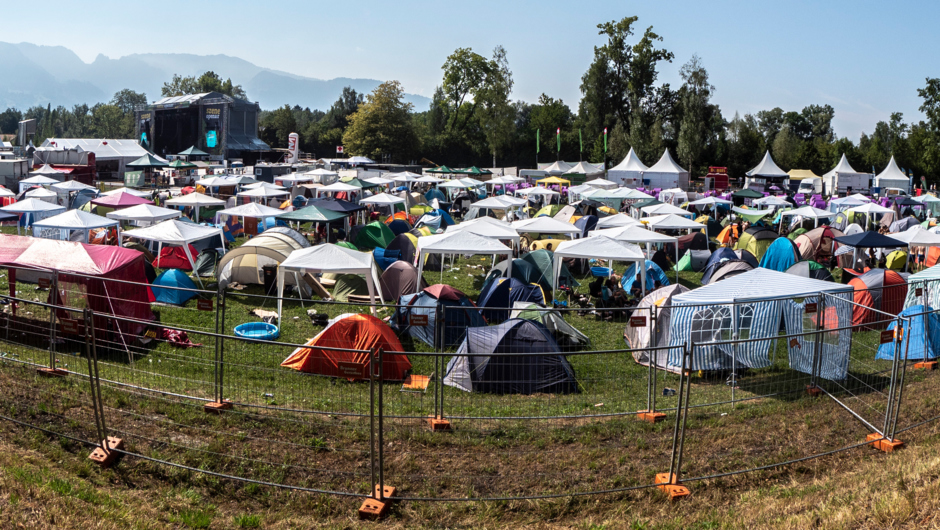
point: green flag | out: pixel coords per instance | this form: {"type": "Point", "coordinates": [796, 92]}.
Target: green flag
{"type": "Point", "coordinates": [580, 140]}
{"type": "Point", "coordinates": [537, 141]}
{"type": "Point", "coordinates": [605, 139]}
{"type": "Point", "coordinates": [558, 138]}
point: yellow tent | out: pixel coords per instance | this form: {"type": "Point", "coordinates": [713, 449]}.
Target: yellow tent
{"type": "Point", "coordinates": [553, 180]}
{"type": "Point", "coordinates": [800, 174]}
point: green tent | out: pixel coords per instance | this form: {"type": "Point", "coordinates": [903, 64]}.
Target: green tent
{"type": "Point", "coordinates": [442, 169]}
{"type": "Point", "coordinates": [374, 235]}
{"type": "Point", "coordinates": [350, 285]}
{"type": "Point", "coordinates": [542, 260]}
{"type": "Point", "coordinates": [192, 151]}
{"type": "Point", "coordinates": [181, 164]}
{"type": "Point", "coordinates": [148, 161]}
{"type": "Point", "coordinates": [312, 214]}
{"type": "Point", "coordinates": [473, 170]}
{"type": "Point", "coordinates": [747, 194]}
{"type": "Point", "coordinates": [796, 233]}
{"type": "Point", "coordinates": [549, 210]}
{"type": "Point", "coordinates": [347, 244]}
{"type": "Point", "coordinates": [685, 263]}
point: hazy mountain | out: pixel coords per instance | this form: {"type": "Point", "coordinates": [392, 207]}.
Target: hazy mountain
{"type": "Point", "coordinates": [37, 75]}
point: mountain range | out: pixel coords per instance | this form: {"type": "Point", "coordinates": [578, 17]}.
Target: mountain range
{"type": "Point", "coordinates": [38, 75]}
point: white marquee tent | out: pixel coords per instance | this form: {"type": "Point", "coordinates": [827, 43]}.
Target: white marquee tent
{"type": "Point", "coordinates": [893, 177]}
{"type": "Point", "coordinates": [629, 172]}
{"type": "Point", "coordinates": [73, 225]}
{"type": "Point", "coordinates": [666, 173]}
{"type": "Point", "coordinates": [144, 214]}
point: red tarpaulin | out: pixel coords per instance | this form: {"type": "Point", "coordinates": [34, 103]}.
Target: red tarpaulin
{"type": "Point", "coordinates": [120, 200]}
{"type": "Point", "coordinates": [87, 266]}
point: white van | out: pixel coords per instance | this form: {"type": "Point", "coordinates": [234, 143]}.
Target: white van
{"type": "Point", "coordinates": [809, 186]}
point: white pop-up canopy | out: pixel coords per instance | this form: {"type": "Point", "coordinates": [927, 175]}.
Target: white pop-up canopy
{"type": "Point", "coordinates": [63, 225]}
{"type": "Point", "coordinates": [629, 172]}
{"type": "Point", "coordinates": [487, 227]}
{"type": "Point", "coordinates": [38, 180]}
{"type": "Point", "coordinates": [601, 183]}
{"type": "Point", "coordinates": [43, 194]}
{"type": "Point", "coordinates": [70, 185]}
{"type": "Point", "coordinates": [6, 193]}
{"type": "Point", "coordinates": [462, 242]}
{"type": "Point", "coordinates": [672, 222]}
{"type": "Point", "coordinates": [264, 193]}
{"type": "Point", "coordinates": [268, 185]}
{"type": "Point", "coordinates": [429, 179]}
{"type": "Point", "coordinates": [809, 212]}
{"type": "Point", "coordinates": [329, 258]}
{"type": "Point", "coordinates": [893, 177]}
{"type": "Point", "coordinates": [586, 168]}
{"type": "Point", "coordinates": [599, 247]}
{"type": "Point", "coordinates": [917, 236]}
{"type": "Point", "coordinates": [618, 219]}
{"type": "Point", "coordinates": [546, 225]}
{"type": "Point", "coordinates": [713, 202]}
{"type": "Point", "coordinates": [131, 191]}
{"type": "Point", "coordinates": [378, 181]}
{"type": "Point", "coordinates": [500, 203]}
{"type": "Point", "coordinates": [383, 199]}
{"type": "Point", "coordinates": [665, 209]}
{"type": "Point", "coordinates": [771, 200]}
{"type": "Point", "coordinates": [320, 175]}
{"type": "Point", "coordinates": [144, 214]}
{"type": "Point", "coordinates": [535, 191]}
{"type": "Point", "coordinates": [194, 200]}
{"type": "Point", "coordinates": [293, 179]}
{"type": "Point", "coordinates": [251, 209]}
{"type": "Point", "coordinates": [34, 209]}
{"type": "Point", "coordinates": [177, 233]}
{"type": "Point", "coordinates": [639, 235]}
{"type": "Point", "coordinates": [558, 168]}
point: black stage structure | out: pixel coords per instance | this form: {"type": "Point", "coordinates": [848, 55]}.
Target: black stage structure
{"type": "Point", "coordinates": [223, 126]}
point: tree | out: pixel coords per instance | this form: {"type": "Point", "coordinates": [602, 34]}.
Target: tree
{"type": "Point", "coordinates": [547, 116]}
{"type": "Point", "coordinates": [470, 80]}
{"type": "Point", "coordinates": [338, 115]}
{"type": "Point", "coordinates": [693, 132]}
{"type": "Point", "coordinates": [383, 125]}
{"type": "Point", "coordinates": [275, 127]}
{"type": "Point", "coordinates": [207, 82]}
{"type": "Point", "coordinates": [494, 111]}
{"type": "Point", "coordinates": [108, 121]}
{"type": "Point", "coordinates": [787, 146]}
{"type": "Point", "coordinates": [9, 120]}
{"type": "Point", "coordinates": [127, 100]}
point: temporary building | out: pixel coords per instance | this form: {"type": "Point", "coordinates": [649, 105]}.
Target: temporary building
{"type": "Point", "coordinates": [519, 356]}
{"type": "Point", "coordinates": [653, 334]}
{"type": "Point", "coordinates": [110, 277]}
{"type": "Point", "coordinates": [893, 177]}
{"type": "Point", "coordinates": [879, 296]}
{"type": "Point", "coordinates": [843, 176]}
{"type": "Point", "coordinates": [818, 244]}
{"type": "Point", "coordinates": [73, 225]}
{"type": "Point", "coordinates": [463, 243]}
{"type": "Point", "coordinates": [810, 269]}
{"type": "Point", "coordinates": [245, 264]}
{"type": "Point", "coordinates": [177, 288]}
{"type": "Point", "coordinates": [399, 279]}
{"type": "Point", "coordinates": [144, 214]}
{"type": "Point", "coordinates": [436, 313]}
{"type": "Point", "coordinates": [780, 255]}
{"type": "Point", "coordinates": [629, 172]}
{"type": "Point", "coordinates": [751, 305]}
{"type": "Point", "coordinates": [756, 240]}
{"type": "Point", "coordinates": [666, 173]}
{"type": "Point", "coordinates": [921, 338]}
{"type": "Point", "coordinates": [654, 274]}
{"type": "Point", "coordinates": [332, 259]}
{"type": "Point", "coordinates": [343, 349]}
{"type": "Point", "coordinates": [500, 294]}
{"type": "Point", "coordinates": [33, 210]}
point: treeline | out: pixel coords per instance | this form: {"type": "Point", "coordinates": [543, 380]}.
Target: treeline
{"type": "Point", "coordinates": [472, 119]}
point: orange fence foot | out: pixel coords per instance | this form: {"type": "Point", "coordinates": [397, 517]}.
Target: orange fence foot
{"type": "Point", "coordinates": [813, 390]}
{"type": "Point", "coordinates": [373, 508]}
{"type": "Point", "coordinates": [883, 444]}
{"type": "Point", "coordinates": [217, 407]}
{"type": "Point", "coordinates": [668, 484]}
{"type": "Point", "coordinates": [650, 417]}
{"type": "Point", "coordinates": [52, 372]}
{"type": "Point", "coordinates": [926, 365]}
{"type": "Point", "coordinates": [437, 423]}
{"type": "Point", "coordinates": [105, 458]}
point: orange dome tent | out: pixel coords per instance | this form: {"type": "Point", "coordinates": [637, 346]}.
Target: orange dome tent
{"type": "Point", "coordinates": [877, 290]}
{"type": "Point", "coordinates": [351, 332]}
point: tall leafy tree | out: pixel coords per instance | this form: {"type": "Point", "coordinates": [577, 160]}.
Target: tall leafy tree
{"type": "Point", "coordinates": [382, 127]}
{"type": "Point", "coordinates": [694, 131]}
{"type": "Point", "coordinates": [207, 82]}
{"type": "Point", "coordinates": [127, 100]}
{"type": "Point", "coordinates": [495, 113]}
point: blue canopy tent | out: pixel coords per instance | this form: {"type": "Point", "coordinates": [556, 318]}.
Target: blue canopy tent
{"type": "Point", "coordinates": [780, 255]}
{"type": "Point", "coordinates": [921, 340]}
{"type": "Point", "coordinates": [173, 278]}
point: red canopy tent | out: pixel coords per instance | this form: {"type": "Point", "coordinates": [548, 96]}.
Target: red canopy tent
{"type": "Point", "coordinates": [120, 200]}
{"type": "Point", "coordinates": [83, 271]}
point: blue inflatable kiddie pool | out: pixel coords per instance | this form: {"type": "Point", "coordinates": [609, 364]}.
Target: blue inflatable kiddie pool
{"type": "Point", "coordinates": [257, 330]}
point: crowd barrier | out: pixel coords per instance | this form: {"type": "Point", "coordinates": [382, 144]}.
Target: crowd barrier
{"type": "Point", "coordinates": [524, 408]}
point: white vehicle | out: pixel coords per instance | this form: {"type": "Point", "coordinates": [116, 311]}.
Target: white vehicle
{"type": "Point", "coordinates": [894, 192]}
{"type": "Point", "coordinates": [810, 186]}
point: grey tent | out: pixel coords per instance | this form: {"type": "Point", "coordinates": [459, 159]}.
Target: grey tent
{"type": "Point", "coordinates": [205, 262]}
{"type": "Point", "coordinates": [730, 268]}
{"type": "Point", "coordinates": [518, 356]}
{"type": "Point", "coordinates": [638, 338]}
{"type": "Point", "coordinates": [567, 336]}
{"type": "Point", "coordinates": [399, 279]}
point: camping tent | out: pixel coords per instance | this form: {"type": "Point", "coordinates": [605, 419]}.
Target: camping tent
{"type": "Point", "coordinates": [921, 338]}
{"type": "Point", "coordinates": [499, 295]}
{"type": "Point", "coordinates": [655, 333]}
{"type": "Point", "coordinates": [517, 357]}
{"type": "Point", "coordinates": [399, 279]}
{"type": "Point", "coordinates": [879, 296]}
{"type": "Point", "coordinates": [444, 312]}
{"type": "Point", "coordinates": [810, 269]}
{"type": "Point", "coordinates": [600, 247]}
{"type": "Point", "coordinates": [818, 244]}
{"type": "Point", "coordinates": [177, 288]}
{"type": "Point", "coordinates": [566, 335]}
{"type": "Point", "coordinates": [780, 255]}
{"type": "Point", "coordinates": [245, 264]}
{"type": "Point", "coordinates": [725, 254]}
{"type": "Point", "coordinates": [176, 233]}
{"type": "Point", "coordinates": [342, 350]}
{"type": "Point", "coordinates": [73, 225]}
{"type": "Point", "coordinates": [329, 258]}
{"type": "Point", "coordinates": [693, 261]}
{"type": "Point", "coordinates": [756, 240]}
{"type": "Point", "coordinates": [372, 235]}
{"type": "Point", "coordinates": [654, 274]}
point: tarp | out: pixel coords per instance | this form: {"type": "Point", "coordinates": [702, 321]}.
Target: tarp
{"type": "Point", "coordinates": [492, 360]}
{"type": "Point", "coordinates": [351, 332]}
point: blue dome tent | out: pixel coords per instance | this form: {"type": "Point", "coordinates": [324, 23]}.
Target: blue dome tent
{"type": "Point", "coordinates": [457, 311]}
{"type": "Point", "coordinates": [173, 278]}
{"type": "Point", "coordinates": [500, 294]}
{"type": "Point", "coordinates": [653, 274]}
{"type": "Point", "coordinates": [780, 255]}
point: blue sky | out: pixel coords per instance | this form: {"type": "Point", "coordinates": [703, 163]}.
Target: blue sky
{"type": "Point", "coordinates": [864, 58]}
